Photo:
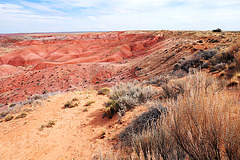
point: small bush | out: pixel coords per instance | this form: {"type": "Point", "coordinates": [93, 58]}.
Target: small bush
{"type": "Point", "coordinates": [112, 107]}
{"type": "Point", "coordinates": [218, 67]}
{"type": "Point", "coordinates": [104, 91]}
{"type": "Point", "coordinates": [128, 95]}
{"type": "Point", "coordinates": [9, 118]}
{"type": "Point", "coordinates": [22, 115]}
{"type": "Point", "coordinates": [89, 103]}
{"type": "Point", "coordinates": [70, 104]}
{"type": "Point", "coordinates": [217, 30]}
{"type": "Point", "coordinates": [172, 89]}
{"type": "Point", "coordinates": [3, 114]}
{"type": "Point", "coordinates": [222, 57]}
{"type": "Point", "coordinates": [160, 80]}
{"type": "Point", "coordinates": [85, 109]}
{"type": "Point", "coordinates": [50, 124]}
{"type": "Point", "coordinates": [207, 54]}
{"type": "Point", "coordinates": [192, 61]}
{"type": "Point", "coordinates": [157, 143]}
{"type": "Point", "coordinates": [233, 83]}
{"type": "Point", "coordinates": [142, 122]}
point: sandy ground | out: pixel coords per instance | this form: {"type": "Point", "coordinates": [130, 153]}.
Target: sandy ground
{"type": "Point", "coordinates": [76, 135]}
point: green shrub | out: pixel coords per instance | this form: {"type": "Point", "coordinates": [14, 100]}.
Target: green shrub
{"type": "Point", "coordinates": [112, 107]}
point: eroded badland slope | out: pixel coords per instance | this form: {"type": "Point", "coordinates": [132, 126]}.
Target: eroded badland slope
{"type": "Point", "coordinates": [40, 74]}
{"type": "Point", "coordinates": [36, 64]}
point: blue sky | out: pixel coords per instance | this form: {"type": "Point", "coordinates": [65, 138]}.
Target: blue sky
{"type": "Point", "coordinates": [18, 16]}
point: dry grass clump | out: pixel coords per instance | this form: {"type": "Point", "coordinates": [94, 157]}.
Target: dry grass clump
{"type": "Point", "coordinates": [104, 91]}
{"type": "Point", "coordinates": [141, 123]}
{"type": "Point", "coordinates": [4, 114]}
{"type": "Point", "coordinates": [89, 103]}
{"type": "Point", "coordinates": [85, 110]}
{"type": "Point", "coordinates": [202, 121]}
{"type": "Point", "coordinates": [125, 96]}
{"type": "Point", "coordinates": [156, 142]}
{"type": "Point", "coordinates": [159, 80]}
{"type": "Point", "coordinates": [176, 87]}
{"type": "Point", "coordinates": [50, 124]}
{"type": "Point", "coordinates": [112, 107]}
{"type": "Point", "coordinates": [172, 89]}
{"type": "Point", "coordinates": [22, 115]}
{"type": "Point", "coordinates": [8, 118]}
{"type": "Point", "coordinates": [70, 104]}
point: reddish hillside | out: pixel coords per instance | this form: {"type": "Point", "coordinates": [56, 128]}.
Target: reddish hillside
{"type": "Point", "coordinates": [40, 63]}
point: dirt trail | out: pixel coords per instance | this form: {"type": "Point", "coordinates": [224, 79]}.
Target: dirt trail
{"type": "Point", "coordinates": [76, 135]}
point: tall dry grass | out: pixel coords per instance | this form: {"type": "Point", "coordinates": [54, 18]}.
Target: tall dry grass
{"type": "Point", "coordinates": [205, 121]}
{"type": "Point", "coordinates": [201, 123]}
{"type": "Point", "coordinates": [234, 50]}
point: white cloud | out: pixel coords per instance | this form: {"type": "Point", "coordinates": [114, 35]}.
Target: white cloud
{"type": "Point", "coordinates": [85, 15]}
{"type": "Point", "coordinates": [40, 7]}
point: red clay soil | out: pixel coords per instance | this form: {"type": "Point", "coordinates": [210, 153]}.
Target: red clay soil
{"type": "Point", "coordinates": [39, 63]}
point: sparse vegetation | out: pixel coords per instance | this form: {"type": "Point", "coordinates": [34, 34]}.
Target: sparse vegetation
{"type": "Point", "coordinates": [141, 123]}
{"type": "Point", "coordinates": [102, 134]}
{"type": "Point", "coordinates": [22, 115]}
{"type": "Point", "coordinates": [112, 107]}
{"type": "Point", "coordinates": [89, 103]}
{"type": "Point", "coordinates": [125, 96]}
{"type": "Point", "coordinates": [230, 56]}
{"type": "Point", "coordinates": [70, 104]}
{"type": "Point", "coordinates": [159, 80]}
{"type": "Point", "coordinates": [104, 91]}
{"type": "Point", "coordinates": [8, 118]}
{"type": "Point", "coordinates": [172, 89]}
{"type": "Point", "coordinates": [85, 109]}
{"type": "Point", "coordinates": [201, 123]}
{"type": "Point", "coordinates": [50, 124]}
{"type": "Point", "coordinates": [195, 117]}
{"type": "Point", "coordinates": [3, 114]}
